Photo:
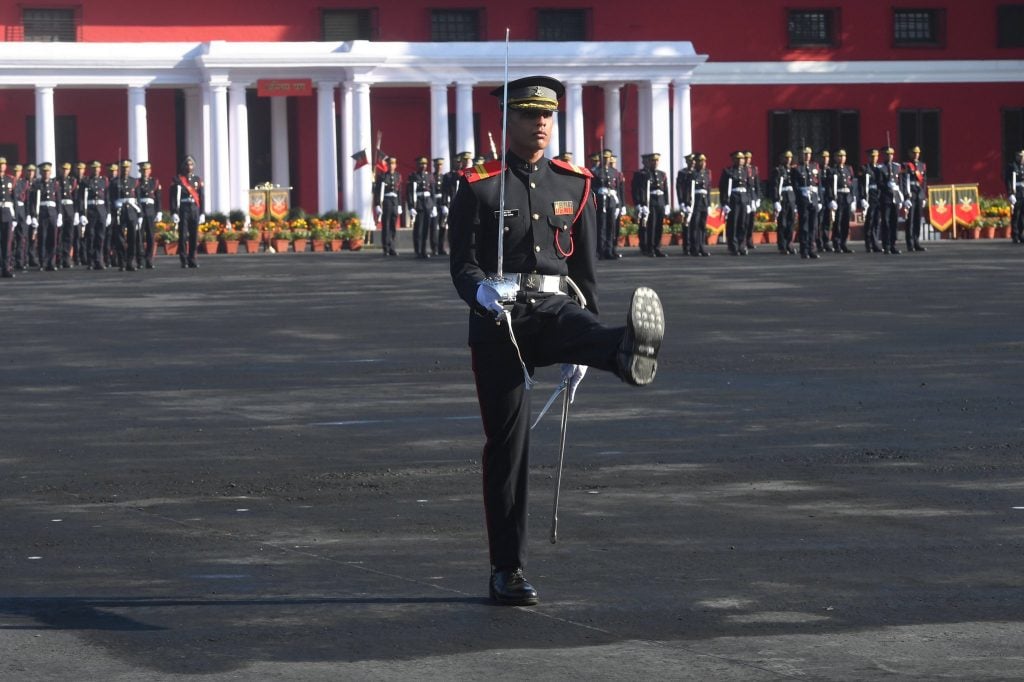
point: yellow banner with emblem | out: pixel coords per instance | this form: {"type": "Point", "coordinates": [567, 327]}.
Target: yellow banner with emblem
{"type": "Point", "coordinates": [966, 209]}
{"type": "Point", "coordinates": [716, 221]}
{"type": "Point", "coordinates": [940, 207]}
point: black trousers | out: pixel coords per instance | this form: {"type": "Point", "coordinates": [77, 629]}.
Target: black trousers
{"type": "Point", "coordinates": [735, 223]}
{"type": "Point", "coordinates": [6, 242]}
{"type": "Point", "coordinates": [97, 229]}
{"type": "Point", "coordinates": [784, 222]}
{"type": "Point", "coordinates": [68, 230]}
{"type": "Point", "coordinates": [872, 238]}
{"type": "Point", "coordinates": [147, 235]}
{"type": "Point", "coordinates": [696, 229]}
{"type": "Point", "coordinates": [424, 230]}
{"type": "Point", "coordinates": [914, 216]}
{"type": "Point", "coordinates": [188, 233]}
{"type": "Point", "coordinates": [388, 220]}
{"type": "Point", "coordinates": [22, 235]}
{"type": "Point", "coordinates": [841, 224]}
{"type": "Point", "coordinates": [607, 225]}
{"type": "Point", "coordinates": [888, 222]}
{"type": "Point", "coordinates": [47, 237]}
{"type": "Point", "coordinates": [554, 330]}
{"type": "Point", "coordinates": [654, 226]}
{"type": "Point", "coordinates": [808, 224]}
{"type": "Point", "coordinates": [1017, 219]}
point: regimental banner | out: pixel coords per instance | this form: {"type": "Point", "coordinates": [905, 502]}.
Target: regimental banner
{"type": "Point", "coordinates": [940, 207]}
{"type": "Point", "coordinates": [257, 204]}
{"type": "Point", "coordinates": [284, 87]}
{"type": "Point", "coordinates": [966, 208]}
{"type": "Point", "coordinates": [278, 203]}
{"type": "Point", "coordinates": [716, 221]}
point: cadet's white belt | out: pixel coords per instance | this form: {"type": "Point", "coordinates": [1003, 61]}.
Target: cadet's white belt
{"type": "Point", "coordinates": [147, 201]}
{"type": "Point", "coordinates": [438, 196]}
{"type": "Point", "coordinates": [609, 190]}
{"type": "Point", "coordinates": [739, 189]}
{"type": "Point", "coordinates": [7, 204]}
{"type": "Point", "coordinates": [118, 203]}
{"type": "Point", "coordinates": [844, 190]}
{"type": "Point", "coordinates": [96, 202]}
{"type": "Point", "coordinates": [391, 194]}
{"type": "Point", "coordinates": [787, 188]}
{"type": "Point", "coordinates": [541, 284]}
{"type": "Point", "coordinates": [808, 190]}
{"type": "Point", "coordinates": [656, 192]}
{"type": "Point", "coordinates": [426, 194]}
{"type": "Point", "coordinates": [20, 203]}
{"type": "Point", "coordinates": [51, 204]}
{"type": "Point", "coordinates": [700, 191]}
{"type": "Point", "coordinates": [67, 202]}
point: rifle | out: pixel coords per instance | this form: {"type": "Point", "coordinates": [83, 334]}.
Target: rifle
{"type": "Point", "coordinates": [494, 150]}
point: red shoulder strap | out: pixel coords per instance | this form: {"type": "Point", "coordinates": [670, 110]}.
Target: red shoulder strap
{"type": "Point", "coordinates": [482, 171]}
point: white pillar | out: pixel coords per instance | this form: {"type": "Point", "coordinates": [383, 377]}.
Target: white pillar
{"type": "Point", "coordinates": [613, 118]}
{"type": "Point", "coordinates": [464, 135]}
{"type": "Point", "coordinates": [193, 128]}
{"type": "Point", "coordinates": [643, 121]}
{"type": "Point", "coordinates": [555, 145]}
{"type": "Point", "coordinates": [681, 124]}
{"type": "Point", "coordinates": [574, 137]}
{"type": "Point", "coordinates": [219, 182]}
{"type": "Point", "coordinates": [204, 155]}
{"type": "Point", "coordinates": [138, 133]}
{"type": "Point", "coordinates": [239, 122]}
{"type": "Point", "coordinates": [46, 136]}
{"type": "Point", "coordinates": [327, 148]}
{"type": "Point", "coordinates": [661, 141]}
{"type": "Point", "coordinates": [279, 173]}
{"type": "Point", "coordinates": [439, 144]}
{"type": "Point", "coordinates": [362, 182]}
{"type": "Point", "coordinates": [348, 147]}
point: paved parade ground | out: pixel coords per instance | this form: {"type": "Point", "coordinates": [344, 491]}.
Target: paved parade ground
{"type": "Point", "coordinates": [268, 468]}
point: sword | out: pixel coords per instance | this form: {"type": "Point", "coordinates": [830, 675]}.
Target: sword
{"type": "Point", "coordinates": [561, 461]}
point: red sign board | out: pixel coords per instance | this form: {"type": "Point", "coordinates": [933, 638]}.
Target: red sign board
{"type": "Point", "coordinates": [284, 87]}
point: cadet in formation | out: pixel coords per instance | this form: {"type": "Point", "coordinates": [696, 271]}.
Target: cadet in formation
{"type": "Point", "coordinates": [545, 313]}
{"type": "Point", "coordinates": [754, 191]}
{"type": "Point", "coordinates": [608, 186]}
{"type": "Point", "coordinates": [735, 202]}
{"type": "Point", "coordinates": [650, 197]}
{"type": "Point", "coordinates": [867, 189]}
{"type": "Point", "coordinates": [696, 199]}
{"type": "Point", "coordinates": [915, 186]}
{"type": "Point", "coordinates": [783, 202]}
{"type": "Point", "coordinates": [8, 221]}
{"type": "Point", "coordinates": [842, 198]}
{"type": "Point", "coordinates": [387, 204]}
{"type": "Point", "coordinates": [187, 210]}
{"type": "Point", "coordinates": [889, 199]}
{"type": "Point", "coordinates": [449, 188]}
{"type": "Point", "coordinates": [806, 180]}
{"type": "Point", "coordinates": [1015, 194]}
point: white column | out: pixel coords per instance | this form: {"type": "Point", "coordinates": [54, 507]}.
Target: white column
{"type": "Point", "coordinates": [219, 182]}
{"type": "Point", "coordinates": [439, 144]}
{"type": "Point", "coordinates": [555, 145]}
{"type": "Point", "coordinates": [643, 121]}
{"type": "Point", "coordinates": [362, 182]}
{"type": "Point", "coordinates": [348, 146]}
{"type": "Point", "coordinates": [682, 122]}
{"type": "Point", "coordinates": [239, 123]}
{"type": "Point", "coordinates": [464, 136]}
{"type": "Point", "coordinates": [138, 133]}
{"type": "Point", "coordinates": [204, 155]}
{"type": "Point", "coordinates": [327, 148]}
{"type": "Point", "coordinates": [46, 137]}
{"type": "Point", "coordinates": [193, 126]}
{"type": "Point", "coordinates": [279, 173]}
{"type": "Point", "coordinates": [574, 137]}
{"type": "Point", "coordinates": [613, 118]}
{"type": "Point", "coordinates": [661, 141]}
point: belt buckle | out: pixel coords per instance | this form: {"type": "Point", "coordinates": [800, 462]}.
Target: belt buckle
{"type": "Point", "coordinates": [531, 282]}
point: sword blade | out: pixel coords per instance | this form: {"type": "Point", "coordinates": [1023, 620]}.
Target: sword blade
{"type": "Point", "coordinates": [561, 461]}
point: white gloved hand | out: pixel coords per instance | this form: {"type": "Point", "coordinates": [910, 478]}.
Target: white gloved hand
{"type": "Point", "coordinates": [645, 211]}
{"type": "Point", "coordinates": [444, 210]}
{"type": "Point", "coordinates": [83, 221]}
{"type": "Point", "coordinates": [400, 210]}
{"type": "Point", "coordinates": [433, 212]}
{"type": "Point", "coordinates": [75, 221]}
{"type": "Point", "coordinates": [377, 211]}
{"type": "Point", "coordinates": [488, 298]}
{"type": "Point", "coordinates": [202, 218]}
{"type": "Point", "coordinates": [1013, 200]}
{"type": "Point", "coordinates": [159, 216]}
{"type": "Point", "coordinates": [751, 208]}
{"type": "Point", "coordinates": [35, 222]}
{"type": "Point", "coordinates": [108, 220]}
{"type": "Point", "coordinates": [924, 203]}
{"type": "Point", "coordinates": [14, 224]}
{"type": "Point", "coordinates": [60, 219]}
{"type": "Point", "coordinates": [833, 205]}
{"type": "Point", "coordinates": [175, 218]}
{"type": "Point", "coordinates": [138, 222]}
{"type": "Point", "coordinates": [893, 186]}
{"type": "Point", "coordinates": [574, 375]}
{"type": "Point", "coordinates": [777, 206]}
{"type": "Point", "coordinates": [412, 213]}
{"type": "Point", "coordinates": [864, 204]}
{"type": "Point", "coordinates": [726, 210]}
{"type": "Point", "coordinates": [622, 211]}
{"type": "Point", "coordinates": [906, 204]}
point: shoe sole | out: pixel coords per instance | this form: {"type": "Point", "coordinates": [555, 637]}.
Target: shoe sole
{"type": "Point", "coordinates": [647, 322]}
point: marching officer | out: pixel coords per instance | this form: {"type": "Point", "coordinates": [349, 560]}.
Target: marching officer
{"type": "Point", "coordinates": [110, 229]}
{"type": "Point", "coordinates": [419, 192]}
{"type": "Point", "coordinates": [755, 192]}
{"type": "Point", "coordinates": [1015, 194]}
{"type": "Point", "coordinates": [867, 188]}
{"type": "Point", "coordinates": [187, 210]}
{"type": "Point", "coordinates": [69, 216]}
{"type": "Point", "coordinates": [8, 220]}
{"type": "Point", "coordinates": [126, 215]}
{"type": "Point", "coordinates": [22, 228]}
{"type": "Point", "coordinates": [696, 199]}
{"type": "Point", "coordinates": [450, 184]}
{"type": "Point", "coordinates": [842, 196]}
{"type": "Point", "coordinates": [387, 204]}
{"type": "Point", "coordinates": [79, 244]}
{"type": "Point", "coordinates": [438, 223]}
{"type": "Point", "coordinates": [682, 187]}
{"type": "Point", "coordinates": [608, 187]}
{"type": "Point", "coordinates": [147, 193]}
{"type": "Point", "coordinates": [889, 199]}
{"type": "Point", "coordinates": [824, 226]}
{"type": "Point", "coordinates": [915, 182]}
{"type": "Point", "coordinates": [95, 189]}
{"type": "Point", "coordinates": [548, 316]}
{"type": "Point", "coordinates": [806, 180]}
{"type": "Point", "coordinates": [732, 190]}
{"type": "Point", "coordinates": [42, 205]}
{"type": "Point", "coordinates": [31, 232]}
{"type": "Point", "coordinates": [783, 202]}
{"type": "Point", "coordinates": [650, 193]}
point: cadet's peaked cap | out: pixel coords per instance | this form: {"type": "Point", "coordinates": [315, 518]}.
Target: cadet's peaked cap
{"type": "Point", "coordinates": [607, 153]}
{"type": "Point", "coordinates": [96, 164]}
{"type": "Point", "coordinates": [112, 166]}
{"type": "Point", "coordinates": [30, 166]}
{"type": "Point", "coordinates": [464, 156]}
{"type": "Point", "coordinates": [841, 152]}
{"type": "Point", "coordinates": [533, 93]}
{"type": "Point", "coordinates": [873, 150]}
{"type": "Point", "coordinates": [45, 165]}
{"type": "Point", "coordinates": [700, 157]}
{"type": "Point", "coordinates": [688, 157]}
{"type": "Point", "coordinates": [738, 155]}
{"type": "Point", "coordinates": [17, 166]}
{"type": "Point", "coordinates": [422, 159]}
{"type": "Point", "coordinates": [565, 156]}
{"type": "Point", "coordinates": [439, 160]}
{"type": "Point", "coordinates": [915, 150]}
{"type": "Point", "coordinates": [3, 159]}
{"type": "Point", "coordinates": [127, 163]}
{"type": "Point", "coordinates": [788, 154]}
{"type": "Point", "coordinates": [748, 155]}
{"type": "Point", "coordinates": [145, 164]}
{"type": "Point", "coordinates": [807, 150]}
{"type": "Point", "coordinates": [480, 159]}
{"type": "Point", "coordinates": [889, 150]}
{"type": "Point", "coordinates": [653, 156]}
{"type": "Point", "coordinates": [66, 165]}
{"type": "Point", "coordinates": [596, 156]}
{"type": "Point", "coordinates": [80, 164]}
{"type": "Point", "coordinates": [825, 152]}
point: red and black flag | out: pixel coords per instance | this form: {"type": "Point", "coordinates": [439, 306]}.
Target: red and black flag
{"type": "Point", "coordinates": [360, 158]}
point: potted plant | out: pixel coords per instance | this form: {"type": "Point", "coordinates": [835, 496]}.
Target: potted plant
{"type": "Point", "coordinates": [336, 239]}
{"type": "Point", "coordinates": [229, 239]}
{"type": "Point", "coordinates": [973, 231]}
{"type": "Point", "coordinates": [280, 238]}
{"type": "Point", "coordinates": [318, 238]}
{"type": "Point", "coordinates": [627, 231]}
{"type": "Point", "coordinates": [168, 236]}
{"type": "Point", "coordinates": [353, 229]}
{"type": "Point", "coordinates": [300, 237]}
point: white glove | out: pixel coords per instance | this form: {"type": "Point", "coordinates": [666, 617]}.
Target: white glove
{"type": "Point", "coordinates": [14, 224]}
{"type": "Point", "coordinates": [1013, 200]}
{"type": "Point", "coordinates": [622, 211]}
{"type": "Point", "coordinates": [202, 218]}
{"type": "Point", "coordinates": [60, 219]}
{"type": "Point", "coordinates": [726, 210]}
{"type": "Point", "coordinates": [83, 221]}
{"type": "Point", "coordinates": [906, 204]}
{"type": "Point", "coordinates": [159, 216]}
{"type": "Point", "coordinates": [175, 218]}
{"type": "Point", "coordinates": [864, 204]}
{"type": "Point", "coordinates": [751, 208]}
{"type": "Point", "coordinates": [924, 203]}
{"type": "Point", "coordinates": [893, 186]}
{"type": "Point", "coordinates": [643, 211]}
{"type": "Point", "coordinates": [76, 220]}
{"type": "Point", "coordinates": [574, 375]}
{"type": "Point", "coordinates": [444, 210]}
{"type": "Point", "coordinates": [833, 205]}
{"type": "Point", "coordinates": [777, 206]}
{"type": "Point", "coordinates": [377, 210]}
{"type": "Point", "coordinates": [138, 222]}
{"type": "Point", "coordinates": [108, 220]}
{"type": "Point", "coordinates": [412, 213]}
{"type": "Point", "coordinates": [399, 210]}
{"type": "Point", "coordinates": [488, 298]}
{"type": "Point", "coordinates": [433, 212]}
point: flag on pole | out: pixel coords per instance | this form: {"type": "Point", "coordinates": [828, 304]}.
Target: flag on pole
{"type": "Point", "coordinates": [380, 162]}
{"type": "Point", "coordinates": [360, 158]}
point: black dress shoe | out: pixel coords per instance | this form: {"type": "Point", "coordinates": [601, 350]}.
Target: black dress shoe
{"type": "Point", "coordinates": [894, 251]}
{"type": "Point", "coordinates": [509, 586]}
{"type": "Point", "coordinates": [193, 264]}
{"type": "Point", "coordinates": [791, 251]}
{"type": "Point", "coordinates": [704, 253]}
{"type": "Point", "coordinates": [918, 247]}
{"type": "Point", "coordinates": [641, 342]}
{"type": "Point", "coordinates": [846, 249]}
{"type": "Point", "coordinates": [659, 253]}
{"type": "Point", "coordinates": [743, 251]}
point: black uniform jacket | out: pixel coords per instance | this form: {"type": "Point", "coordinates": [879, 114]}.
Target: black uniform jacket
{"type": "Point", "coordinates": [550, 229]}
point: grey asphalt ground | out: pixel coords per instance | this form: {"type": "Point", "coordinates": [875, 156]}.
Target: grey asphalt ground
{"type": "Point", "coordinates": [268, 468]}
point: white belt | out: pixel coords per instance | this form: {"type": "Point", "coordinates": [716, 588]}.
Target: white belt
{"type": "Point", "coordinates": [609, 190]}
{"type": "Point", "coordinates": [66, 202]}
{"type": "Point", "coordinates": [20, 203]}
{"type": "Point", "coordinates": [7, 204]}
{"type": "Point", "coordinates": [739, 189]}
{"type": "Point", "coordinates": [787, 188]}
{"type": "Point", "coordinates": [700, 191]}
{"type": "Point", "coordinates": [843, 190]}
{"type": "Point", "coordinates": [96, 202]}
{"type": "Point", "coordinates": [541, 284]}
{"type": "Point", "coordinates": [656, 192]}
{"type": "Point", "coordinates": [391, 194]}
{"type": "Point", "coordinates": [438, 196]}
{"type": "Point", "coordinates": [147, 201]}
{"type": "Point", "coordinates": [118, 203]}
{"type": "Point", "coordinates": [808, 190]}
{"type": "Point", "coordinates": [187, 200]}
{"type": "Point", "coordinates": [426, 194]}
{"type": "Point", "coordinates": [51, 204]}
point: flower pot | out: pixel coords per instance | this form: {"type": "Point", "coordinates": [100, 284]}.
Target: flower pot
{"type": "Point", "coordinates": [712, 239]}
{"type": "Point", "coordinates": [336, 244]}
{"type": "Point", "coordinates": [770, 237]}
{"type": "Point", "coordinates": [230, 246]}
{"type": "Point", "coordinates": [988, 233]}
{"type": "Point", "coordinates": [171, 248]}
{"type": "Point", "coordinates": [208, 247]}
{"type": "Point", "coordinates": [1004, 232]}
{"type": "Point", "coordinates": [666, 239]}
{"type": "Point", "coordinates": [280, 245]}
{"type": "Point", "coordinates": [355, 244]}
{"type": "Point", "coordinates": [318, 244]}
{"type": "Point", "coordinates": [299, 244]}
{"type": "Point", "coordinates": [251, 245]}
{"type": "Point", "coordinates": [971, 232]}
